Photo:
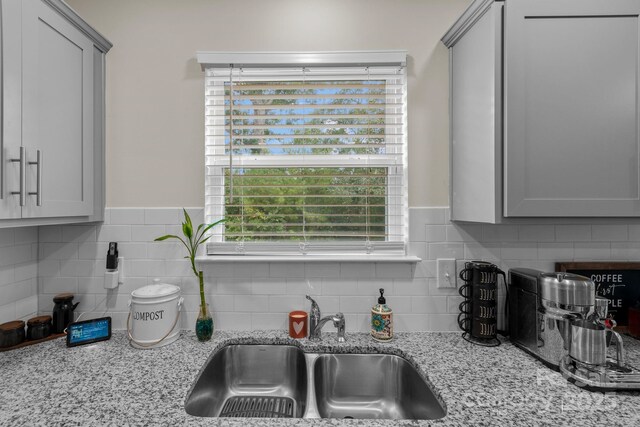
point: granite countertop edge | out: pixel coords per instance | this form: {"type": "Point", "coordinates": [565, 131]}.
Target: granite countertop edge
{"type": "Point", "coordinates": [111, 383]}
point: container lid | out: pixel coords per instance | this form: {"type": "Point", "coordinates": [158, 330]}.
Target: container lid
{"type": "Point", "coordinates": [38, 320]}
{"type": "Point", "coordinates": [567, 289]}
{"type": "Point", "coordinates": [156, 290]}
{"type": "Point", "coordinates": [63, 297]}
{"type": "Point", "coordinates": [12, 326]}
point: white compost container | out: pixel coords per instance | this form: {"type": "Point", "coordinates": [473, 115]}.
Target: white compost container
{"type": "Point", "coordinates": [154, 315]}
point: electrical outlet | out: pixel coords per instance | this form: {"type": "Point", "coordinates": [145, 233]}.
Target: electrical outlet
{"type": "Point", "coordinates": [447, 273]}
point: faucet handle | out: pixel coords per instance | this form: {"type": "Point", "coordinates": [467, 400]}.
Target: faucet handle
{"type": "Point", "coordinates": [314, 304]}
{"type": "Point", "coordinates": [339, 323]}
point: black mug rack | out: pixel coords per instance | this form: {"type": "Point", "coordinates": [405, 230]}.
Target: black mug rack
{"type": "Point", "coordinates": [478, 317]}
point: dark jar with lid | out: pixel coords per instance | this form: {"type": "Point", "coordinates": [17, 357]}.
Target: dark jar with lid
{"type": "Point", "coordinates": [63, 312]}
{"type": "Point", "coordinates": [38, 327]}
{"type": "Point", "coordinates": [11, 333]}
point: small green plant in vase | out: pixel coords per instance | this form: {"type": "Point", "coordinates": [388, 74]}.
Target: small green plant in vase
{"type": "Point", "coordinates": [192, 240]}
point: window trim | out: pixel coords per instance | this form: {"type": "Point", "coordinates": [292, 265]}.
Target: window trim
{"type": "Point", "coordinates": [314, 59]}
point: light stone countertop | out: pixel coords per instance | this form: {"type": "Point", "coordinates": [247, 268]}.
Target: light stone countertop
{"type": "Point", "coordinates": [111, 383]}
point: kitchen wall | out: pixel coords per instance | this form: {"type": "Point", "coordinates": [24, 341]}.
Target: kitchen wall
{"type": "Point", "coordinates": [249, 296]}
{"type": "Point", "coordinates": [155, 88]}
{"type": "Point", "coordinates": [18, 273]}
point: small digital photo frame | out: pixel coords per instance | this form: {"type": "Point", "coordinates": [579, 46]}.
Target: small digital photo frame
{"type": "Point", "coordinates": [88, 331]}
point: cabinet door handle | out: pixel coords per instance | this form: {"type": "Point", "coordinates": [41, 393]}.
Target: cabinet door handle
{"type": "Point", "coordinates": [23, 174]}
{"type": "Point", "coordinates": [38, 192]}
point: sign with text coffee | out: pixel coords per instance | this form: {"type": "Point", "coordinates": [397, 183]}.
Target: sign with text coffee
{"type": "Point", "coordinates": [617, 281]}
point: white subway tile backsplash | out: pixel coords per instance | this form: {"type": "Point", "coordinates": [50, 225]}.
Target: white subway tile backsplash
{"type": "Point", "coordinates": [429, 304]}
{"type": "Point", "coordinates": [410, 322]}
{"type": "Point", "coordinates": [259, 295]}
{"type": "Point", "coordinates": [610, 233]}
{"type": "Point", "coordinates": [61, 251]}
{"type": "Point", "coordinates": [164, 250]}
{"type": "Point", "coordinates": [519, 250]}
{"type": "Point", "coordinates": [425, 269]}
{"type": "Point", "coordinates": [234, 286]}
{"type": "Point", "coordinates": [357, 270]}
{"type": "Point", "coordinates": [170, 216]}
{"type": "Point", "coordinates": [310, 286]}
{"type": "Point", "coordinates": [267, 286]}
{"type": "Point", "coordinates": [536, 233]}
{"type": "Point", "coordinates": [592, 251]}
{"type": "Point", "coordinates": [7, 312]}
{"type": "Point", "coordinates": [393, 270]}
{"type": "Point", "coordinates": [17, 291]}
{"type": "Point", "coordinates": [435, 233]}
{"type": "Point", "coordinates": [625, 251]}
{"type": "Point", "coordinates": [130, 250]}
{"type": "Point", "coordinates": [339, 287]}
{"type": "Point", "coordinates": [355, 304]}
{"type": "Point", "coordinates": [79, 268]}
{"type": "Point", "coordinates": [147, 233]}
{"type": "Point", "coordinates": [418, 249]}
{"type": "Point", "coordinates": [232, 321]}
{"type": "Point", "coordinates": [97, 250]}
{"type": "Point", "coordinates": [126, 216]}
{"type": "Point", "coordinates": [78, 233]}
{"type": "Point", "coordinates": [286, 269]}
{"type": "Point", "coordinates": [268, 321]}
{"type": "Point", "coordinates": [322, 269]}
{"type": "Point", "coordinates": [485, 251]}
{"type": "Point", "coordinates": [26, 271]}
{"type": "Point", "coordinates": [499, 233]}
{"type": "Point", "coordinates": [463, 233]}
{"type": "Point", "coordinates": [328, 304]}
{"type": "Point", "coordinates": [7, 237]}
{"type": "Point", "coordinates": [257, 303]}
{"type": "Point", "coordinates": [114, 233]}
{"type": "Point", "coordinates": [453, 303]}
{"type": "Point", "coordinates": [25, 235]}
{"type": "Point", "coordinates": [443, 322]}
{"type": "Point", "coordinates": [50, 233]}
{"type": "Point", "coordinates": [56, 285]}
{"type": "Point", "coordinates": [560, 251]}
{"type": "Point", "coordinates": [27, 307]}
{"type": "Point", "coordinates": [287, 303]}
{"type": "Point", "coordinates": [446, 250]}
{"type": "Point", "coordinates": [573, 233]}
{"type": "Point", "coordinates": [411, 287]}
{"type": "Point", "coordinates": [7, 275]}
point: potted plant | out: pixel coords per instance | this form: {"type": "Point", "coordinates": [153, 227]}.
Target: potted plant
{"type": "Point", "coordinates": [192, 240]}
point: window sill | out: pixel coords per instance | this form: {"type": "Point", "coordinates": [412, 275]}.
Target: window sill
{"type": "Point", "coordinates": [383, 258]}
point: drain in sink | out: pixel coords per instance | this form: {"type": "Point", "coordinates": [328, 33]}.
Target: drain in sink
{"type": "Point", "coordinates": [258, 407]}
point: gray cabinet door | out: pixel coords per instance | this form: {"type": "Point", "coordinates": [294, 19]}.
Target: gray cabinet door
{"type": "Point", "coordinates": [476, 120]}
{"type": "Point", "coordinates": [10, 108]}
{"type": "Point", "coordinates": [57, 118]}
{"type": "Point", "coordinates": [571, 108]}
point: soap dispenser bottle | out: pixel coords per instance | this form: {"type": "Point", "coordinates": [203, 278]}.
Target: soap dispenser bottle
{"type": "Point", "coordinates": [381, 320]}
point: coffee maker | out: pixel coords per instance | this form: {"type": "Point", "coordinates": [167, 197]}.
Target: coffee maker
{"type": "Point", "coordinates": [556, 318]}
{"type": "Point", "coordinates": [541, 308]}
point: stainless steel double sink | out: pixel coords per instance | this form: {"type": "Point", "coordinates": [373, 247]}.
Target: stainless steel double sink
{"type": "Point", "coordinates": [283, 381]}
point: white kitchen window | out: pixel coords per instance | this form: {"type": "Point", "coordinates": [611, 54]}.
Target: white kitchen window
{"type": "Point", "coordinates": [306, 152]}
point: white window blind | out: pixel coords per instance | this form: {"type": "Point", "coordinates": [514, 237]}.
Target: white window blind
{"type": "Point", "coordinates": [306, 159]}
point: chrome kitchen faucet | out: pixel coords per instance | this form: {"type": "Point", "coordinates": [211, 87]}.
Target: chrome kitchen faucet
{"type": "Point", "coordinates": [316, 322]}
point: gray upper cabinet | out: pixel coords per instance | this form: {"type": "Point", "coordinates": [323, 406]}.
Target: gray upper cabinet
{"type": "Point", "coordinates": [53, 128]}
{"type": "Point", "coordinates": [544, 109]}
